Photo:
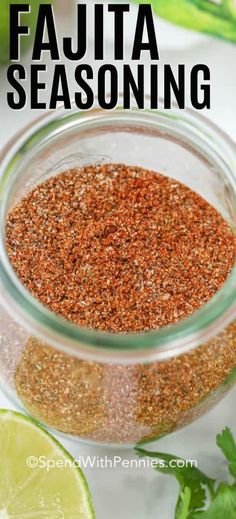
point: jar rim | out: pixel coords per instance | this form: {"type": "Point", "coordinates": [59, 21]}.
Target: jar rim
{"type": "Point", "coordinates": [162, 343]}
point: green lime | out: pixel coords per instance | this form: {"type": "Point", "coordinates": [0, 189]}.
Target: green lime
{"type": "Point", "coordinates": [38, 478]}
{"type": "Point", "coordinates": [28, 19]}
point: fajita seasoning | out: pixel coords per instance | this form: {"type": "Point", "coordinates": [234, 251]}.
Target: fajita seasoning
{"type": "Point", "coordinates": [120, 249]}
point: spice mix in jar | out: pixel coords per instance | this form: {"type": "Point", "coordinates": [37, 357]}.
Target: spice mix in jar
{"type": "Point", "coordinates": [120, 249]}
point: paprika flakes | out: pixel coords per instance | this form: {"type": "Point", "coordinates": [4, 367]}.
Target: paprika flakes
{"type": "Point", "coordinates": [120, 249]}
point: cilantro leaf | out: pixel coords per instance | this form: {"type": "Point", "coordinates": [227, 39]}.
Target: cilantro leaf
{"type": "Point", "coordinates": [184, 503]}
{"type": "Point", "coordinates": [187, 476]}
{"type": "Point", "coordinates": [223, 506]}
{"type": "Point", "coordinates": [197, 489]}
{"type": "Point", "coordinates": [227, 444]}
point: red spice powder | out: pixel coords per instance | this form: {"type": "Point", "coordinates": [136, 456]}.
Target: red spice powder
{"type": "Point", "coordinates": [119, 248]}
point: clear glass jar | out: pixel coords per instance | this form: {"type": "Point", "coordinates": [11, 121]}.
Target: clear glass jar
{"type": "Point", "coordinates": [113, 388]}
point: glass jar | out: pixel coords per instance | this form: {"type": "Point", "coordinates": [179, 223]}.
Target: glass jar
{"type": "Point", "coordinates": [117, 388]}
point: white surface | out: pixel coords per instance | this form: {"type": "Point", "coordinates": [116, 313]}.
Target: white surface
{"type": "Point", "coordinates": [144, 494]}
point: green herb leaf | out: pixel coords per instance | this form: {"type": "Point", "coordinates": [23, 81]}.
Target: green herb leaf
{"type": "Point", "coordinates": [212, 17]}
{"type": "Point", "coordinates": [184, 503]}
{"type": "Point", "coordinates": [196, 487]}
{"type": "Point", "coordinates": [227, 444]}
{"type": "Point", "coordinates": [187, 476]}
{"type": "Point", "coordinates": [223, 506]}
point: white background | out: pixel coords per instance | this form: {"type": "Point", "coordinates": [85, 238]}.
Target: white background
{"type": "Point", "coordinates": [143, 493]}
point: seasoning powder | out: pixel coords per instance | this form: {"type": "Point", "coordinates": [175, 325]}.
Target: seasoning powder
{"type": "Point", "coordinates": [120, 249]}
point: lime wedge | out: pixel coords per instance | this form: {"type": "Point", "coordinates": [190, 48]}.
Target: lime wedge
{"type": "Point", "coordinates": [38, 478]}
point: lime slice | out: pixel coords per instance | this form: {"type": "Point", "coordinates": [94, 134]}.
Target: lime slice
{"type": "Point", "coordinates": [38, 478]}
